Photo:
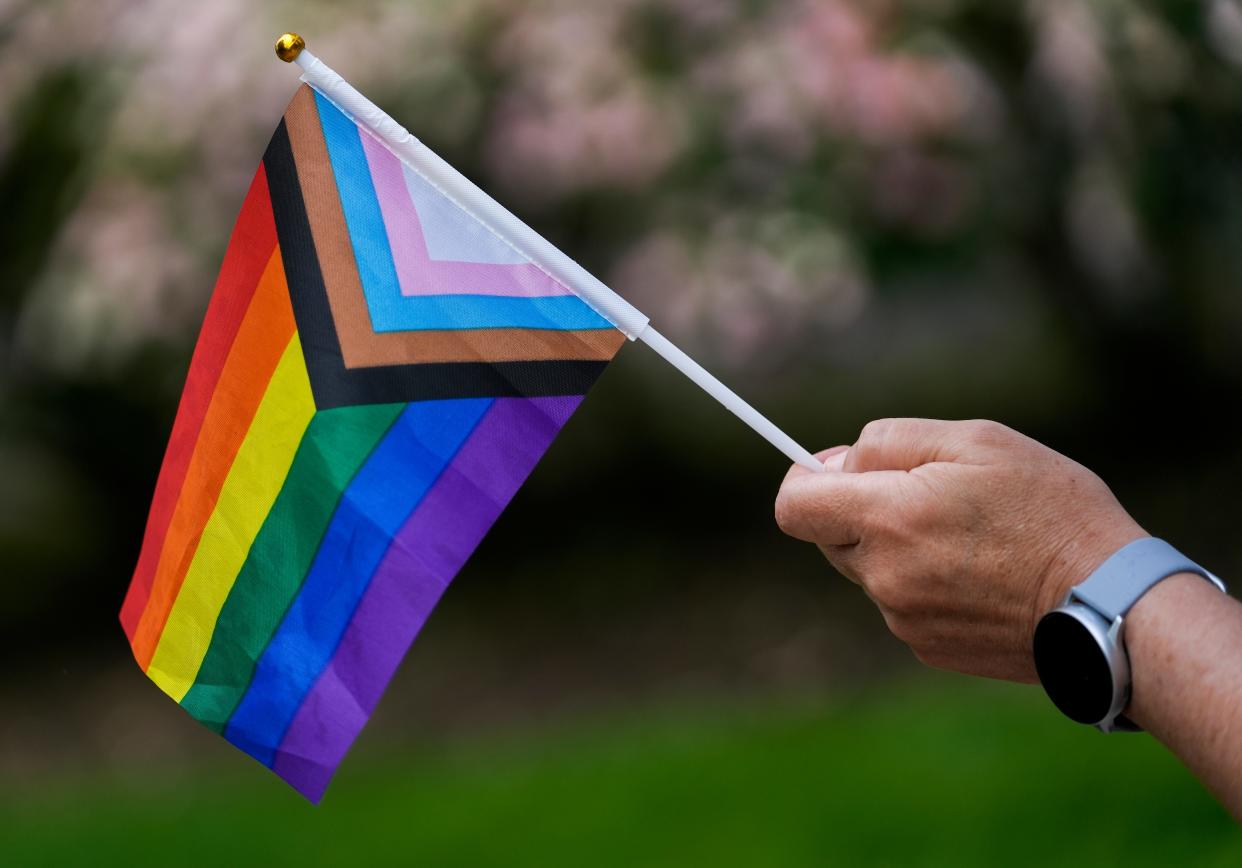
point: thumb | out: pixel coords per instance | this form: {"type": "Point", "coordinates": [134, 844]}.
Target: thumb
{"type": "Point", "coordinates": [829, 508]}
{"type": "Point", "coordinates": [902, 444]}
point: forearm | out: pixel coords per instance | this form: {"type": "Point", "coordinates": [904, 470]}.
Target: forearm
{"type": "Point", "coordinates": [1184, 639]}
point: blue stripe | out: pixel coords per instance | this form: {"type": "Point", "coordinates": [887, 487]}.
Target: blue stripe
{"type": "Point", "coordinates": [382, 495]}
{"type": "Point", "coordinates": [406, 313]}
{"type": "Point", "coordinates": [390, 310]}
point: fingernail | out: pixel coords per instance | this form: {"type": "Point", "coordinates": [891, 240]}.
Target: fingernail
{"type": "Point", "coordinates": [834, 459]}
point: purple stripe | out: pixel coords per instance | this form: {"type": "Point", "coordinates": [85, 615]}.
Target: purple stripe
{"type": "Point", "coordinates": [423, 558]}
{"type": "Point", "coordinates": [417, 272]}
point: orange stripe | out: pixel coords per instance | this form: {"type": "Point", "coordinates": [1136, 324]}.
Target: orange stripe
{"type": "Point", "coordinates": [263, 336]}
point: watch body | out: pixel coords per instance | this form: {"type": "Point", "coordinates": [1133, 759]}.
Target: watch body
{"type": "Point", "coordinates": [1083, 666]}
{"type": "Point", "coordinates": [1079, 648]}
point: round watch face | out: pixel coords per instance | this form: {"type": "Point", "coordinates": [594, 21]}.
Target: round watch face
{"type": "Point", "coordinates": [1072, 667]}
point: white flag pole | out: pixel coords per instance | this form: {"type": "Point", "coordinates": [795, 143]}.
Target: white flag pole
{"type": "Point", "coordinates": [730, 399]}
{"type": "Point", "coordinates": [451, 183]}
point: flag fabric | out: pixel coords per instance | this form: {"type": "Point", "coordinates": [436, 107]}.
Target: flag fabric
{"type": "Point", "coordinates": [376, 376]}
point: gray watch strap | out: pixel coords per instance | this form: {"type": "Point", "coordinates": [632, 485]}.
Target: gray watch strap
{"type": "Point", "coordinates": [1131, 572]}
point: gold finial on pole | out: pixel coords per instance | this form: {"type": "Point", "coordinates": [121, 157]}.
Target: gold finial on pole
{"type": "Point", "coordinates": [289, 46]}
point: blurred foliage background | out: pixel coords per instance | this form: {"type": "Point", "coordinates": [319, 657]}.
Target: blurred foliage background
{"type": "Point", "coordinates": [954, 208]}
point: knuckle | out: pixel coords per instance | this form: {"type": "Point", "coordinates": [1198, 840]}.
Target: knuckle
{"type": "Point", "coordinates": [930, 656]}
{"type": "Point", "coordinates": [893, 595]}
{"type": "Point", "coordinates": [902, 626]}
{"type": "Point", "coordinates": [875, 433]}
{"type": "Point", "coordinates": [880, 440]}
{"type": "Point", "coordinates": [874, 429]}
{"type": "Point", "coordinates": [985, 432]}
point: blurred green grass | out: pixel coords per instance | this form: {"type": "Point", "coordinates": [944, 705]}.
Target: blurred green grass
{"type": "Point", "coordinates": [954, 773]}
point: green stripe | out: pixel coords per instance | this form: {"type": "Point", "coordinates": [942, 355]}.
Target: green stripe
{"type": "Point", "coordinates": [335, 445]}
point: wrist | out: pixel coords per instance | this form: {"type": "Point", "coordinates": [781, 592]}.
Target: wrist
{"type": "Point", "coordinates": [1081, 648]}
{"type": "Point", "coordinates": [1079, 555]}
{"type": "Point", "coordinates": [1158, 615]}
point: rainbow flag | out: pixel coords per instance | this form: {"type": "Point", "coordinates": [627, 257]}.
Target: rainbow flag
{"type": "Point", "coordinates": [377, 374]}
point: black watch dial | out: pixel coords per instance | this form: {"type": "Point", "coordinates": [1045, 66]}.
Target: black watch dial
{"type": "Point", "coordinates": [1072, 668]}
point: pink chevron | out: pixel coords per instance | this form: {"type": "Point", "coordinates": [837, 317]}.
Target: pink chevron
{"type": "Point", "coordinates": [417, 272]}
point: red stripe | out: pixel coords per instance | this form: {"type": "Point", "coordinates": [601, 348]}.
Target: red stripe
{"type": "Point", "coordinates": [250, 248]}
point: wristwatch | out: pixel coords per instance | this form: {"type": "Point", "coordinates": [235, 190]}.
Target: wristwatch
{"type": "Point", "coordinates": [1080, 651]}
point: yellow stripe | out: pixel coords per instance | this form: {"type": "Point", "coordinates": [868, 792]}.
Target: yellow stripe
{"type": "Point", "coordinates": [257, 475]}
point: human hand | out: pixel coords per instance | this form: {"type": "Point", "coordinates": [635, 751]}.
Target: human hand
{"type": "Point", "coordinates": [963, 534]}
